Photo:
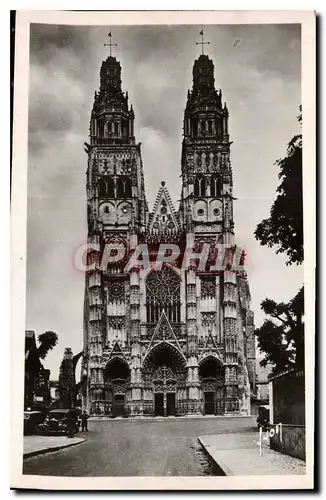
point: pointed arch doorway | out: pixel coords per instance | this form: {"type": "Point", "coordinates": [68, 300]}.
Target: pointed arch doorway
{"type": "Point", "coordinates": [165, 386]}
{"type": "Point", "coordinates": [211, 374]}
{"type": "Point", "coordinates": [117, 380]}
{"type": "Point", "coordinates": [164, 375]}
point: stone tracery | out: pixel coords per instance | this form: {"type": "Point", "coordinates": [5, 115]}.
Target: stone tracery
{"type": "Point", "coordinates": [163, 293]}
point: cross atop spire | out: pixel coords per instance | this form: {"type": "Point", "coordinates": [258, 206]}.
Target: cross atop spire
{"type": "Point", "coordinates": [110, 44]}
{"type": "Point", "coordinates": [202, 43]}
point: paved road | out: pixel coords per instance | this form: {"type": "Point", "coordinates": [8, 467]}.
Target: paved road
{"type": "Point", "coordinates": [162, 447]}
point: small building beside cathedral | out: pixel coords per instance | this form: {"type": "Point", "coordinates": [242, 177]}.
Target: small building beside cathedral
{"type": "Point", "coordinates": [176, 336]}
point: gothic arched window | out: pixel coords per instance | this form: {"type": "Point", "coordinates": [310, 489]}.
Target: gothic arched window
{"type": "Point", "coordinates": [110, 187]}
{"type": "Point", "coordinates": [124, 187]}
{"type": "Point", "coordinates": [215, 187]}
{"type": "Point", "coordinates": [163, 292]}
{"type": "Point", "coordinates": [194, 127]}
{"type": "Point", "coordinates": [102, 187]}
{"type": "Point", "coordinates": [106, 187]}
{"type": "Point", "coordinates": [125, 128]}
{"type": "Point", "coordinates": [219, 127]}
{"type": "Point", "coordinates": [101, 128]}
{"type": "Point", "coordinates": [200, 186]}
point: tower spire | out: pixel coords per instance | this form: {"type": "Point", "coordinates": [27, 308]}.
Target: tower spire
{"type": "Point", "coordinates": [110, 44]}
{"type": "Point", "coordinates": [202, 43]}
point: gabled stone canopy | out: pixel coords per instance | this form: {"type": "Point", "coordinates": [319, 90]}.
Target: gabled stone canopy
{"type": "Point", "coordinates": [163, 220]}
{"type": "Point", "coordinates": [163, 333]}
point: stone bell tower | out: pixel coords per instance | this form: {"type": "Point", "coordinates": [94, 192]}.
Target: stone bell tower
{"type": "Point", "coordinates": [206, 170]}
{"type": "Point", "coordinates": [220, 307]}
{"type": "Point", "coordinates": [116, 214]}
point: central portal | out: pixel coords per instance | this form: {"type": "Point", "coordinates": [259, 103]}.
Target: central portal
{"type": "Point", "coordinates": [164, 377]}
{"type": "Point", "coordinates": [119, 405]}
{"type": "Point", "coordinates": [164, 404]}
{"type": "Point", "coordinates": [170, 404]}
{"type": "Point", "coordinates": [159, 405]}
{"type": "Point", "coordinates": [209, 403]}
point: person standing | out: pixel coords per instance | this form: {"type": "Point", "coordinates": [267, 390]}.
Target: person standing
{"type": "Point", "coordinates": [84, 418]}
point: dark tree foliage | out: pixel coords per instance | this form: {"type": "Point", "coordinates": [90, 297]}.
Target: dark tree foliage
{"type": "Point", "coordinates": [47, 341]}
{"type": "Point", "coordinates": [284, 227]}
{"type": "Point", "coordinates": [281, 337]}
{"type": "Point", "coordinates": [36, 376]}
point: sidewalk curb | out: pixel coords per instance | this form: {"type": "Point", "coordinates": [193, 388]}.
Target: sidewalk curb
{"type": "Point", "coordinates": [164, 419]}
{"type": "Point", "coordinates": [226, 471]}
{"type": "Point", "coordinates": [54, 448]}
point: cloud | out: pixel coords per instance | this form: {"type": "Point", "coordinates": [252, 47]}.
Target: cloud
{"type": "Point", "coordinates": [50, 42]}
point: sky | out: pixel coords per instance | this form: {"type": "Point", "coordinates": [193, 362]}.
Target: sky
{"type": "Point", "coordinates": [258, 68]}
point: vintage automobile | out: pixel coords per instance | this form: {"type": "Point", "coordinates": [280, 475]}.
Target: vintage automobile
{"type": "Point", "coordinates": [32, 420]}
{"type": "Point", "coordinates": [263, 417]}
{"type": "Point", "coordinates": [57, 421]}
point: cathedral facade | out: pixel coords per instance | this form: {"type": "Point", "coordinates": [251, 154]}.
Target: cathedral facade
{"type": "Point", "coordinates": [167, 331]}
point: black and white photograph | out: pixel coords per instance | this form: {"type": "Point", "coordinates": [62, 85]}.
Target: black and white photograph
{"type": "Point", "coordinates": [163, 191]}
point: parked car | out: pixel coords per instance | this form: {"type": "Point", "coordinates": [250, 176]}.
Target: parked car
{"type": "Point", "coordinates": [32, 420]}
{"type": "Point", "coordinates": [56, 421]}
{"type": "Point", "coordinates": [263, 417]}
